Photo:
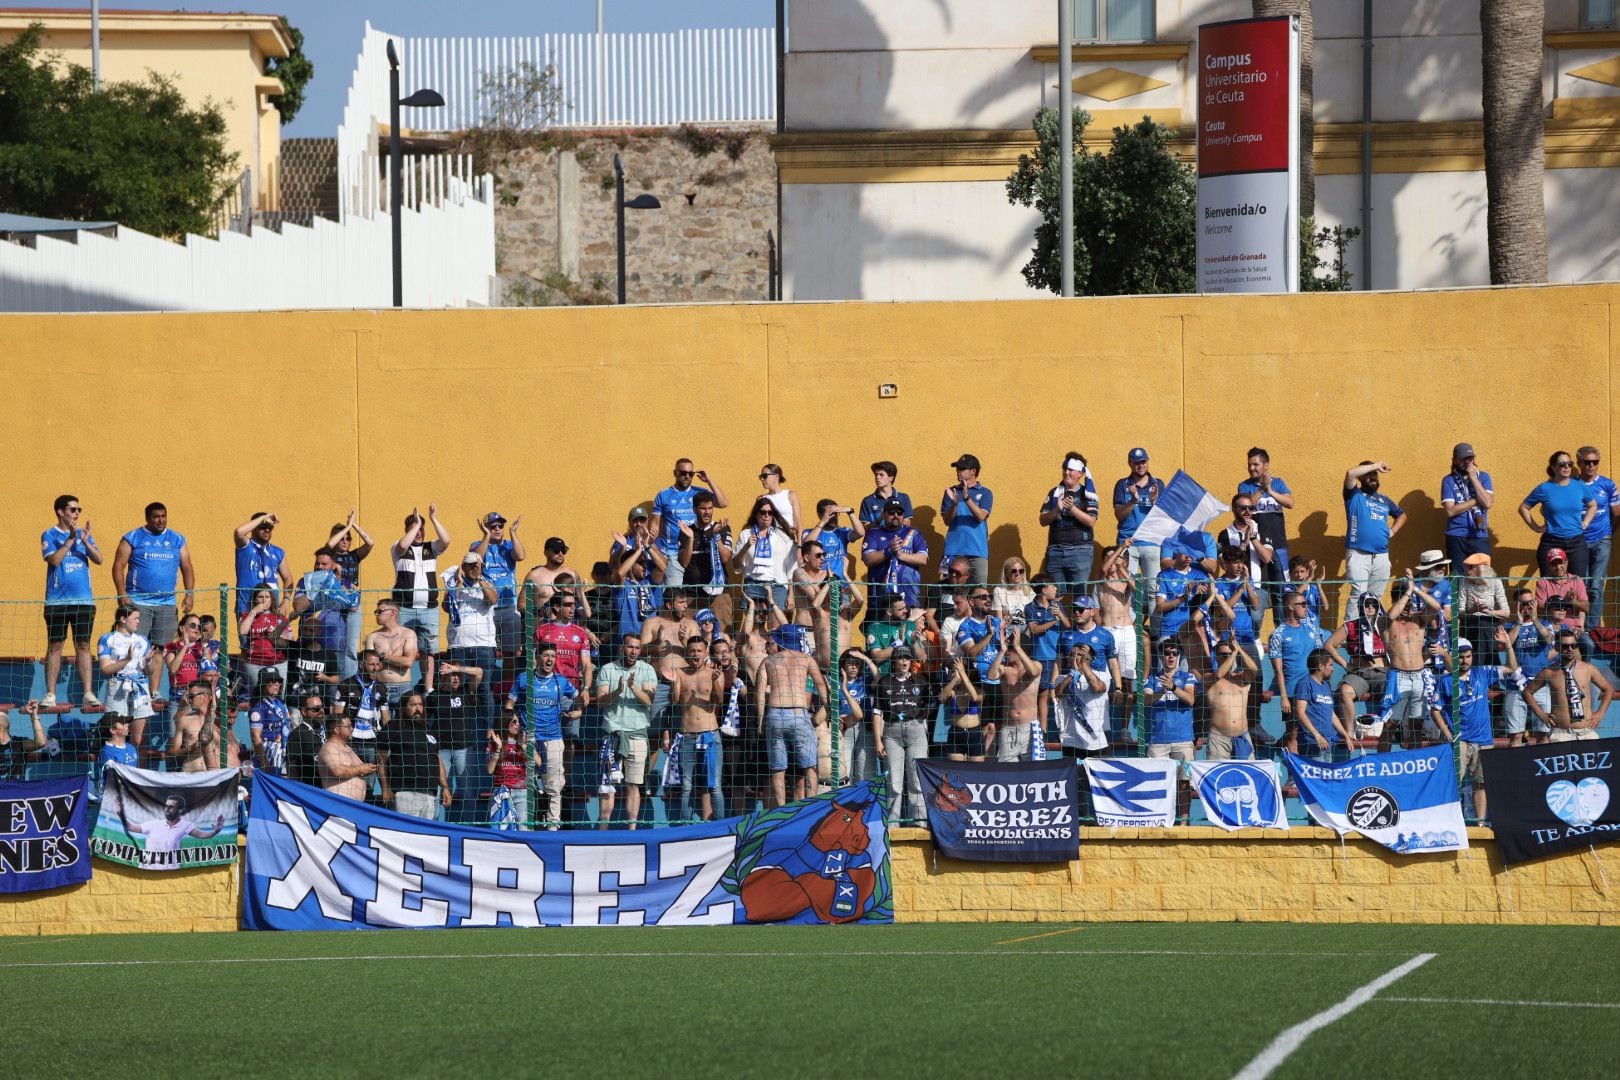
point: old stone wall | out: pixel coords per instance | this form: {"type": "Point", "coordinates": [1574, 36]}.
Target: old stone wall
{"type": "Point", "coordinates": [554, 222]}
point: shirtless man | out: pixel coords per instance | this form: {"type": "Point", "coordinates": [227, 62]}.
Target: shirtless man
{"type": "Point", "coordinates": [784, 716]}
{"type": "Point", "coordinates": [1021, 727]}
{"type": "Point", "coordinates": [663, 639]}
{"type": "Point", "coordinates": [342, 771]}
{"type": "Point", "coordinates": [1409, 691]}
{"type": "Point", "coordinates": [753, 637]}
{"type": "Point", "coordinates": [1227, 689]}
{"type": "Point", "coordinates": [544, 576]}
{"type": "Point", "coordinates": [396, 645]}
{"type": "Point", "coordinates": [1569, 681]}
{"type": "Point", "coordinates": [194, 747]}
{"type": "Point", "coordinates": [699, 689]}
{"type": "Point", "coordinates": [812, 596]}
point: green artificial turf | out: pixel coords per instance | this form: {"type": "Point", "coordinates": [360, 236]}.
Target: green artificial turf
{"type": "Point", "coordinates": [1181, 1001]}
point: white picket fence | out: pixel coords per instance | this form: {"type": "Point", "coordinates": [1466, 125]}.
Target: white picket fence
{"type": "Point", "coordinates": [718, 76]}
{"type": "Point", "coordinates": [448, 260]}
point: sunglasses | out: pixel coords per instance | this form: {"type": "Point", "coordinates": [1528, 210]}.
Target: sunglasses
{"type": "Point", "coordinates": [684, 472]}
{"type": "Point", "coordinates": [1563, 464]}
{"type": "Point", "coordinates": [1242, 507]}
{"type": "Point", "coordinates": [1017, 570]}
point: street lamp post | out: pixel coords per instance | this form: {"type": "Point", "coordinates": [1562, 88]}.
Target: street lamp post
{"type": "Point", "coordinates": [640, 202]}
{"type": "Point", "coordinates": [422, 99]}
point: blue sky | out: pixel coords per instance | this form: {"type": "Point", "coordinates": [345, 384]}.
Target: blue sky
{"type": "Point", "coordinates": [332, 29]}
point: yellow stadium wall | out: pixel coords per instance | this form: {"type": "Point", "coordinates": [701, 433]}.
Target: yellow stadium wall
{"type": "Point", "coordinates": [123, 900]}
{"type": "Point", "coordinates": [1202, 874]}
{"type": "Point", "coordinates": [570, 416]}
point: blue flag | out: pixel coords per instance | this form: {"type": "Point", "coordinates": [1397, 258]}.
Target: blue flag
{"type": "Point", "coordinates": [1406, 800]}
{"type": "Point", "coordinates": [1184, 506]}
{"type": "Point", "coordinates": [1240, 794]}
{"type": "Point", "coordinates": [1026, 811]}
{"type": "Point", "coordinates": [44, 834]}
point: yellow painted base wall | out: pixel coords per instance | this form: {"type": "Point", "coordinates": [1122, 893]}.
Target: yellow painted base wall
{"type": "Point", "coordinates": [570, 416]}
{"type": "Point", "coordinates": [1202, 874]}
{"type": "Point", "coordinates": [123, 900]}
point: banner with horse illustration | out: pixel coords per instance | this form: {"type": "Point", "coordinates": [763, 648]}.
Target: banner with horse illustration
{"type": "Point", "coordinates": [318, 861]}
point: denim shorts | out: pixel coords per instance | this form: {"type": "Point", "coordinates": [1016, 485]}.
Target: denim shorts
{"type": "Point", "coordinates": [785, 727]}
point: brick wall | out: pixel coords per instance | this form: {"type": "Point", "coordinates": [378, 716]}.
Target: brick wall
{"type": "Point", "coordinates": [1203, 874]}
{"type": "Point", "coordinates": [554, 223]}
{"type": "Point", "coordinates": [123, 900]}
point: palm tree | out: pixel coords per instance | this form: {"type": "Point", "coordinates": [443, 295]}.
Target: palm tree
{"type": "Point", "coordinates": [1515, 139]}
{"type": "Point", "coordinates": [1264, 9]}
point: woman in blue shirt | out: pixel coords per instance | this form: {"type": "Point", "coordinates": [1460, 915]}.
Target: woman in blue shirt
{"type": "Point", "coordinates": [1567, 508]}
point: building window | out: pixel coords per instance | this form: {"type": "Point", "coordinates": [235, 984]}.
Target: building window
{"type": "Point", "coordinates": [1595, 14]}
{"type": "Point", "coordinates": [1120, 20]}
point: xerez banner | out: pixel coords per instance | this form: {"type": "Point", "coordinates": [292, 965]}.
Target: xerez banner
{"type": "Point", "coordinates": [317, 861]}
{"type": "Point", "coordinates": [1021, 812]}
{"type": "Point", "coordinates": [1553, 797]}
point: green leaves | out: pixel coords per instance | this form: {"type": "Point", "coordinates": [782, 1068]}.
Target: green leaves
{"type": "Point", "coordinates": [294, 72]}
{"type": "Point", "coordinates": [135, 153]}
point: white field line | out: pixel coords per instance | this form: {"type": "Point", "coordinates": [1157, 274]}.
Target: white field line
{"type": "Point", "coordinates": [609, 954]}
{"type": "Point", "coordinates": [1285, 1044]}
{"type": "Point", "coordinates": [1500, 1001]}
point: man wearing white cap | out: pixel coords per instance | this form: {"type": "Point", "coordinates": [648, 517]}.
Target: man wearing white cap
{"type": "Point", "coordinates": [1070, 517]}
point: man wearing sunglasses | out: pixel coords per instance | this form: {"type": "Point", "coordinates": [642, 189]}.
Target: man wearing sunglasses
{"type": "Point", "coordinates": [396, 645]}
{"type": "Point", "coordinates": [672, 508]}
{"type": "Point", "coordinates": [1568, 681]}
{"type": "Point", "coordinates": [68, 550]}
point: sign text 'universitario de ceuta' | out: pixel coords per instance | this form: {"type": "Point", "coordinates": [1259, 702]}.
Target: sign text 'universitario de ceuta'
{"type": "Point", "coordinates": [1248, 160]}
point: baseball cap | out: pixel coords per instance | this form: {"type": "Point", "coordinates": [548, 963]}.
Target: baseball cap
{"type": "Point", "coordinates": [1558, 554]}
{"type": "Point", "coordinates": [894, 506]}
{"type": "Point", "coordinates": [1463, 450]}
{"type": "Point", "coordinates": [556, 543]}
{"type": "Point", "coordinates": [1137, 454]}
{"type": "Point", "coordinates": [638, 513]}
{"type": "Point", "coordinates": [1464, 645]}
{"type": "Point", "coordinates": [1085, 601]}
{"type": "Point", "coordinates": [472, 557]}
{"type": "Point", "coordinates": [494, 518]}
{"type": "Point", "coordinates": [966, 461]}
{"type": "Point", "coordinates": [902, 652]}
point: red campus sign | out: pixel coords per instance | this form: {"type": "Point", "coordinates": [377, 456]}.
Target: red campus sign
{"type": "Point", "coordinates": [1243, 97]}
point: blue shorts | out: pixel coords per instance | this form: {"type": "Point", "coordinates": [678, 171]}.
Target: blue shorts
{"type": "Point", "coordinates": [1048, 674]}
{"type": "Point", "coordinates": [969, 742]}
{"type": "Point", "coordinates": [789, 726]}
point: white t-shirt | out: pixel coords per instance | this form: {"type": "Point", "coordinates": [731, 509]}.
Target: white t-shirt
{"type": "Point", "coordinates": [472, 617]}
{"type": "Point", "coordinates": [161, 836]}
{"type": "Point", "coordinates": [1083, 715]}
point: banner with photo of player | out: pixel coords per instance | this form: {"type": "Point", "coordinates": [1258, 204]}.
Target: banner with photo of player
{"type": "Point", "coordinates": [1240, 794]}
{"type": "Point", "coordinates": [1026, 811]}
{"type": "Point", "coordinates": [167, 820]}
{"type": "Point", "coordinates": [1406, 800]}
{"type": "Point", "coordinates": [1133, 791]}
{"type": "Point", "coordinates": [319, 861]}
{"type": "Point", "coordinates": [43, 834]}
{"type": "Point", "coordinates": [1553, 797]}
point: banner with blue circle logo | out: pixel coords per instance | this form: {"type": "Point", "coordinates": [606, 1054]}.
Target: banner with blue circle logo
{"type": "Point", "coordinates": [1240, 794]}
{"type": "Point", "coordinates": [1556, 796]}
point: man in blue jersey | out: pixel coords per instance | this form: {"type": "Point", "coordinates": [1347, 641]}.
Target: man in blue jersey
{"type": "Point", "coordinates": [545, 697]}
{"type": "Point", "coordinates": [68, 549]}
{"type": "Point", "coordinates": [1171, 693]}
{"type": "Point", "coordinates": [1319, 730]}
{"type": "Point", "coordinates": [833, 537]}
{"type": "Point", "coordinates": [894, 554]}
{"type": "Point", "coordinates": [672, 508]}
{"type": "Point", "coordinates": [1290, 647]}
{"type": "Point", "coordinates": [1134, 496]}
{"type": "Point", "coordinates": [1085, 630]}
{"type": "Point", "coordinates": [1466, 497]}
{"type": "Point", "coordinates": [1532, 640]}
{"type": "Point", "coordinates": [1473, 706]}
{"type": "Point", "coordinates": [501, 551]}
{"type": "Point", "coordinates": [258, 561]}
{"type": "Point", "coordinates": [1373, 519]}
{"type": "Point", "coordinates": [1270, 496]}
{"type": "Point", "coordinates": [1600, 534]}
{"type": "Point", "coordinates": [1181, 590]}
{"type": "Point", "coordinates": [884, 474]}
{"type": "Point", "coordinates": [144, 570]}
{"type": "Point", "coordinates": [964, 507]}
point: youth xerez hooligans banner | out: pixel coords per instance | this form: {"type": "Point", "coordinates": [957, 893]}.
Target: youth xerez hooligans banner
{"type": "Point", "coordinates": [43, 835]}
{"type": "Point", "coordinates": [167, 820]}
{"type": "Point", "coordinates": [1406, 799]}
{"type": "Point", "coordinates": [1027, 811]}
{"type": "Point", "coordinates": [317, 861]}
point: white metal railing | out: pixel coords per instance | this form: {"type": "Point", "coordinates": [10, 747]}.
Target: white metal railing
{"type": "Point", "coordinates": [719, 76]}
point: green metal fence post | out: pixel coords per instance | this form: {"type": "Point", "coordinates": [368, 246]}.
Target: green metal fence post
{"type": "Point", "coordinates": [224, 707]}
{"type": "Point", "coordinates": [534, 793]}
{"type": "Point", "coordinates": [1144, 631]}
{"type": "Point", "coordinates": [835, 682]}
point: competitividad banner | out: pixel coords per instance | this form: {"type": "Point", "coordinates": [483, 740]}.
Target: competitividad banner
{"type": "Point", "coordinates": [1248, 161]}
{"type": "Point", "coordinates": [1406, 800]}
{"type": "Point", "coordinates": [1132, 791]}
{"type": "Point", "coordinates": [1240, 794]}
{"type": "Point", "coordinates": [167, 820]}
{"type": "Point", "coordinates": [318, 861]}
{"type": "Point", "coordinates": [1553, 797]}
{"type": "Point", "coordinates": [1027, 811]}
{"type": "Point", "coordinates": [43, 834]}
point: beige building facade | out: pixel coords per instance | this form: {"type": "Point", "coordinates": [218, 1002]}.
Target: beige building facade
{"type": "Point", "coordinates": [904, 118]}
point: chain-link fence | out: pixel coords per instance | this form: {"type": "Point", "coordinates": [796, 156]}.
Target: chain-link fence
{"type": "Point", "coordinates": [622, 700]}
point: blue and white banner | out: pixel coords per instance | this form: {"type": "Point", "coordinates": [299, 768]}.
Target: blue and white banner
{"type": "Point", "coordinates": [1406, 800]}
{"type": "Point", "coordinates": [1025, 811]}
{"type": "Point", "coordinates": [318, 861]}
{"type": "Point", "coordinates": [44, 834]}
{"type": "Point", "coordinates": [1133, 791]}
{"type": "Point", "coordinates": [1240, 794]}
{"type": "Point", "coordinates": [1184, 505]}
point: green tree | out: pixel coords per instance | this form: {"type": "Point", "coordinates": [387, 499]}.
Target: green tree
{"type": "Point", "coordinates": [135, 153]}
{"type": "Point", "coordinates": [1133, 211]}
{"type": "Point", "coordinates": [294, 71]}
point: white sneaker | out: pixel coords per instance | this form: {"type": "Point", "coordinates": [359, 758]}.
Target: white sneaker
{"type": "Point", "coordinates": [90, 701]}
{"type": "Point", "coordinates": [48, 701]}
